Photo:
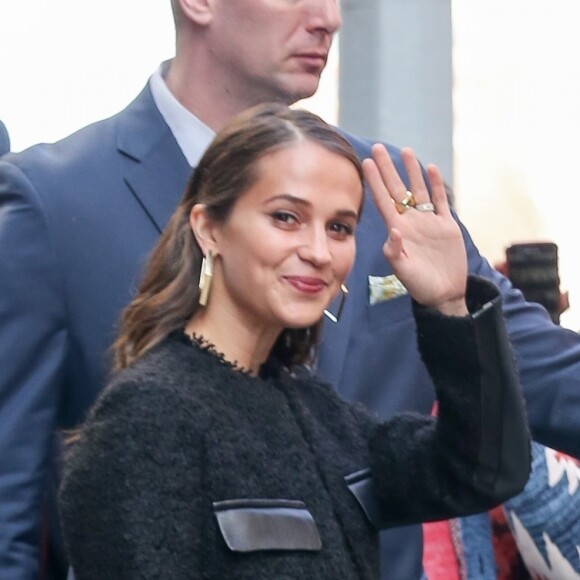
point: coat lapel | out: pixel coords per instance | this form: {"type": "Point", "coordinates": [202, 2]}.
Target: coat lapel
{"type": "Point", "coordinates": [157, 171]}
{"type": "Point", "coordinates": [335, 337]}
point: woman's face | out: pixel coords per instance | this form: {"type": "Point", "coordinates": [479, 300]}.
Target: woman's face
{"type": "Point", "coordinates": [288, 243]}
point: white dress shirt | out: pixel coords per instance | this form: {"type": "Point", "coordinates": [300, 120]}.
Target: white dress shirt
{"type": "Point", "coordinates": [192, 136]}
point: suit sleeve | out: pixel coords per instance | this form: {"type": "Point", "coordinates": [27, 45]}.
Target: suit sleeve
{"type": "Point", "coordinates": [130, 499]}
{"type": "Point", "coordinates": [548, 359]}
{"type": "Point", "coordinates": [33, 342]}
{"type": "Point", "coordinates": [476, 453]}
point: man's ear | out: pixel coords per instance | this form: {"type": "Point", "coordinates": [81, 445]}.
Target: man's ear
{"type": "Point", "coordinates": [198, 11]}
{"type": "Point", "coordinates": [203, 228]}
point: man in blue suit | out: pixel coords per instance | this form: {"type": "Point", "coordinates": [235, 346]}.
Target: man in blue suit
{"type": "Point", "coordinates": [78, 218]}
{"type": "Point", "coordinates": [4, 139]}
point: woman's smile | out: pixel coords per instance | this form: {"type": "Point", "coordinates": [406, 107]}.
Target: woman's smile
{"type": "Point", "coordinates": [307, 284]}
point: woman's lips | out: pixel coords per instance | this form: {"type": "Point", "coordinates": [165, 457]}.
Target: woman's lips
{"type": "Point", "coordinates": [306, 284]}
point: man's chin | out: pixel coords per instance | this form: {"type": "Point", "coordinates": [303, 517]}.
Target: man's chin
{"type": "Point", "coordinates": [298, 97]}
{"type": "Point", "coordinates": [302, 87]}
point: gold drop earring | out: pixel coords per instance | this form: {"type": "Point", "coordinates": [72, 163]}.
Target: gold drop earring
{"type": "Point", "coordinates": [205, 278]}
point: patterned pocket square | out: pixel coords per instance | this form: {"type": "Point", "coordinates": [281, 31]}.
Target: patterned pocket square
{"type": "Point", "coordinates": [383, 288]}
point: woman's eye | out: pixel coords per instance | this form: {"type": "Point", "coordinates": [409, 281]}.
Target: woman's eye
{"type": "Point", "coordinates": [341, 229]}
{"type": "Point", "coordinates": [285, 217]}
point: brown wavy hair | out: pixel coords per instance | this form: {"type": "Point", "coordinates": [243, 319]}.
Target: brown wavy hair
{"type": "Point", "coordinates": [168, 295]}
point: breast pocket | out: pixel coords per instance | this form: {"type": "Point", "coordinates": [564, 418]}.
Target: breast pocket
{"type": "Point", "coordinates": [250, 525]}
{"type": "Point", "coordinates": [389, 312]}
{"type": "Point", "coordinates": [388, 301]}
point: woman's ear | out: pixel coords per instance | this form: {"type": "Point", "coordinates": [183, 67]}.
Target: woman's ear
{"type": "Point", "coordinates": [203, 228]}
{"type": "Point", "coordinates": [198, 11]}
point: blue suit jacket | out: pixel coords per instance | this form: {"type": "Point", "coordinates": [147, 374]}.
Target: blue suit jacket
{"type": "Point", "coordinates": [77, 220]}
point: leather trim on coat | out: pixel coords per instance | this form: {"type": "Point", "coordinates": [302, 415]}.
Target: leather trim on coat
{"type": "Point", "coordinates": [249, 525]}
{"type": "Point", "coordinates": [360, 484]}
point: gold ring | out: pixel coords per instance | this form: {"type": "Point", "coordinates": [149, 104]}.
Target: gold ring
{"type": "Point", "coordinates": [407, 202]}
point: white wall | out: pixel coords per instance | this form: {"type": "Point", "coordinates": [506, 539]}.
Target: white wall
{"type": "Point", "coordinates": [517, 127]}
{"type": "Point", "coordinates": [65, 63]}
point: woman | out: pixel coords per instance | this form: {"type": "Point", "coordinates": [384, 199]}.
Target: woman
{"type": "Point", "coordinates": [214, 453]}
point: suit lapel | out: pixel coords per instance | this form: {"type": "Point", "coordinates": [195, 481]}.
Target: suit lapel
{"type": "Point", "coordinates": [370, 235]}
{"type": "Point", "coordinates": [335, 337]}
{"type": "Point", "coordinates": [157, 170]}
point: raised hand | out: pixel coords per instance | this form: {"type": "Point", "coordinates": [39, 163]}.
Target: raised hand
{"type": "Point", "coordinates": [425, 247]}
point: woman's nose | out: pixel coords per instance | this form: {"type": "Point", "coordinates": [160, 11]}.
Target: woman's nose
{"type": "Point", "coordinates": [315, 248]}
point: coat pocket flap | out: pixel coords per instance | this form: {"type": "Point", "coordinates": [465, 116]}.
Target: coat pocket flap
{"type": "Point", "coordinates": [249, 525]}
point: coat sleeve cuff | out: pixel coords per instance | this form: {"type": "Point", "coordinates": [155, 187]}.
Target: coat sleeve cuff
{"type": "Point", "coordinates": [480, 295]}
{"type": "Point", "coordinates": [472, 364]}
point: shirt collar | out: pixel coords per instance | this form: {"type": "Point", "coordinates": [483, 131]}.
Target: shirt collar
{"type": "Point", "coordinates": [192, 136]}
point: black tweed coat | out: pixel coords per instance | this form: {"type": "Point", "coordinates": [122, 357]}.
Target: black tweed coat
{"type": "Point", "coordinates": [190, 469]}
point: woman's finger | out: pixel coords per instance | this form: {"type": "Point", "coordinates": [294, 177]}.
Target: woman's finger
{"type": "Point", "coordinates": [438, 191]}
{"type": "Point", "coordinates": [393, 247]}
{"type": "Point", "coordinates": [416, 178]}
{"type": "Point", "coordinates": [388, 172]}
{"type": "Point", "coordinates": [380, 193]}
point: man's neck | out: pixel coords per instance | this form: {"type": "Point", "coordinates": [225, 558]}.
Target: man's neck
{"type": "Point", "coordinates": [211, 102]}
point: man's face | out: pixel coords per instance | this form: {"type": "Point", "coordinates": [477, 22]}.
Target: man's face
{"type": "Point", "coordinates": [272, 50]}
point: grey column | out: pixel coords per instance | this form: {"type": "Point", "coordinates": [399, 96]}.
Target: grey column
{"type": "Point", "coordinates": [395, 79]}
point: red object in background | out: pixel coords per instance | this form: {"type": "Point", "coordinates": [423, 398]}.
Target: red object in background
{"type": "Point", "coordinates": [439, 558]}
{"type": "Point", "coordinates": [507, 557]}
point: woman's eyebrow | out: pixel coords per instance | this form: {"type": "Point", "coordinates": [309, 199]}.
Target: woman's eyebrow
{"type": "Point", "coordinates": [288, 197]}
{"type": "Point", "coordinates": [300, 201]}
